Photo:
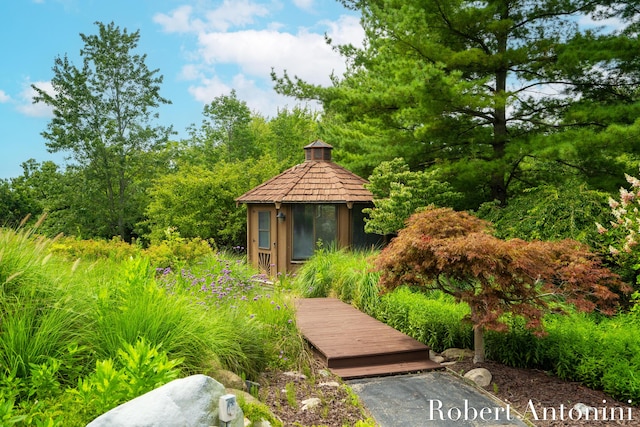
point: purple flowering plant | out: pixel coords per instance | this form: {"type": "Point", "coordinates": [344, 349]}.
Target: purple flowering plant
{"type": "Point", "coordinates": [226, 285]}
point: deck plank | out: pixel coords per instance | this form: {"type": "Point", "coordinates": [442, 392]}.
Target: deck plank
{"type": "Point", "coordinates": [354, 345]}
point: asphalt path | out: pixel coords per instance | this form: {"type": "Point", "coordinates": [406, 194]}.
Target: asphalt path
{"type": "Point", "coordinates": [431, 399]}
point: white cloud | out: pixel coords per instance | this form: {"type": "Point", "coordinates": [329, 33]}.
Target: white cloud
{"type": "Point", "coordinates": [304, 4]}
{"type": "Point", "coordinates": [178, 21]}
{"type": "Point", "coordinates": [26, 105]}
{"type": "Point", "coordinates": [4, 97]}
{"type": "Point", "coordinates": [264, 101]}
{"type": "Point", "coordinates": [231, 13]}
{"type": "Point", "coordinates": [256, 52]}
{"type": "Point", "coordinates": [345, 30]}
{"type": "Point", "coordinates": [304, 54]}
{"type": "Point", "coordinates": [235, 13]}
{"type": "Point", "coordinates": [233, 53]}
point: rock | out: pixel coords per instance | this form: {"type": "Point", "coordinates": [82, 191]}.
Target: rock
{"type": "Point", "coordinates": [457, 353]}
{"type": "Point", "coordinates": [310, 403]}
{"type": "Point", "coordinates": [324, 373]}
{"type": "Point", "coordinates": [229, 379]}
{"type": "Point", "coordinates": [438, 359]}
{"type": "Point", "coordinates": [585, 410]}
{"type": "Point", "coordinates": [334, 384]}
{"type": "Point", "coordinates": [185, 402]}
{"type": "Point", "coordinates": [480, 376]}
{"type": "Point", "coordinates": [448, 363]}
{"type": "Point", "coordinates": [295, 375]}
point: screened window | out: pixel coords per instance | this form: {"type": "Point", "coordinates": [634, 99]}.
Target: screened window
{"type": "Point", "coordinates": [360, 239]}
{"type": "Point", "coordinates": [264, 229]}
{"type": "Point", "coordinates": [313, 224]}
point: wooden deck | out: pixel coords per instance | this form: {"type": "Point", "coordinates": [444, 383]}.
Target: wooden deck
{"type": "Point", "coordinates": [355, 345]}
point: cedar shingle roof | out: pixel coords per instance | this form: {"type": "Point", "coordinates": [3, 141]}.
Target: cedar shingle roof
{"type": "Point", "coordinates": [314, 181]}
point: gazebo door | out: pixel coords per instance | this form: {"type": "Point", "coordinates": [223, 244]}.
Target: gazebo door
{"type": "Point", "coordinates": [265, 243]}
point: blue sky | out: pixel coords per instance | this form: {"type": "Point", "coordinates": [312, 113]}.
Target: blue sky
{"type": "Point", "coordinates": [203, 48]}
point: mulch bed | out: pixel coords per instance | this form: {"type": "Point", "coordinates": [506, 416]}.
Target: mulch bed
{"type": "Point", "coordinates": [523, 389]}
{"type": "Point", "coordinates": [335, 410]}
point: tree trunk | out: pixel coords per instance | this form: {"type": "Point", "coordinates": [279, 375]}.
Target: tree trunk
{"type": "Point", "coordinates": [500, 130]}
{"type": "Point", "coordinates": [478, 344]}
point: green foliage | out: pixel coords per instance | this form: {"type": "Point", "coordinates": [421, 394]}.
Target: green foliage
{"type": "Point", "coordinates": [566, 211]}
{"type": "Point", "coordinates": [343, 274]}
{"type": "Point", "coordinates": [287, 133]}
{"type": "Point", "coordinates": [256, 412]}
{"type": "Point", "coordinates": [399, 192]}
{"type": "Point", "coordinates": [598, 352]}
{"type": "Point", "coordinates": [225, 133]}
{"type": "Point", "coordinates": [93, 249]}
{"type": "Point", "coordinates": [137, 369]}
{"type": "Point", "coordinates": [40, 309]}
{"type": "Point", "coordinates": [174, 250]}
{"type": "Point", "coordinates": [200, 202]}
{"type": "Point", "coordinates": [253, 327]}
{"type": "Point", "coordinates": [131, 306]}
{"type": "Point", "coordinates": [434, 319]}
{"type": "Point", "coordinates": [290, 393]}
{"type": "Point", "coordinates": [103, 113]}
{"type": "Point", "coordinates": [454, 252]}
{"type": "Point", "coordinates": [112, 328]}
{"type": "Point", "coordinates": [461, 87]}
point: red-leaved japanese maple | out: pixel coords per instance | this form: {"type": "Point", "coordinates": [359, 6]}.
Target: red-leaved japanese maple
{"type": "Point", "coordinates": [456, 253]}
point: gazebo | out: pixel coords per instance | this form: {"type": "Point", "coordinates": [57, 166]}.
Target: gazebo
{"type": "Point", "coordinates": [315, 202]}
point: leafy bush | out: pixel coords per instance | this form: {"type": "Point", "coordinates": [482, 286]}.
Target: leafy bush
{"type": "Point", "coordinates": [92, 249]}
{"type": "Point", "coordinates": [175, 251]}
{"type": "Point", "coordinates": [434, 319]}
{"type": "Point", "coordinates": [137, 369]}
{"type": "Point", "coordinates": [399, 192]}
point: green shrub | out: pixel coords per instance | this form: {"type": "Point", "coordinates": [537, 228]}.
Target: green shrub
{"type": "Point", "coordinates": [130, 305]}
{"type": "Point", "coordinates": [434, 319]}
{"type": "Point", "coordinates": [176, 251]}
{"type": "Point", "coordinates": [518, 347]}
{"type": "Point", "coordinates": [599, 352]}
{"type": "Point", "coordinates": [315, 277]}
{"type": "Point", "coordinates": [92, 249]}
{"type": "Point", "coordinates": [137, 369]}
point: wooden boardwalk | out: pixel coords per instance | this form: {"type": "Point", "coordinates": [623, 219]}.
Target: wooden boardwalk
{"type": "Point", "coordinates": [355, 345]}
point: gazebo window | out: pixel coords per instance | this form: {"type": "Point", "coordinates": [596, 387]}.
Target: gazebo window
{"type": "Point", "coordinates": [360, 239]}
{"type": "Point", "coordinates": [312, 223]}
{"type": "Point", "coordinates": [264, 229]}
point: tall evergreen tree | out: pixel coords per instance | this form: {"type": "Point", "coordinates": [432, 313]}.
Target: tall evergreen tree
{"type": "Point", "coordinates": [480, 89]}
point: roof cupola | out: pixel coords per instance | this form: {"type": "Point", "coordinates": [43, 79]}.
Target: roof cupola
{"type": "Point", "coordinates": [318, 151]}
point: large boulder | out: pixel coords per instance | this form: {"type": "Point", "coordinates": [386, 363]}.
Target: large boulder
{"type": "Point", "coordinates": [185, 402]}
{"type": "Point", "coordinates": [480, 376]}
